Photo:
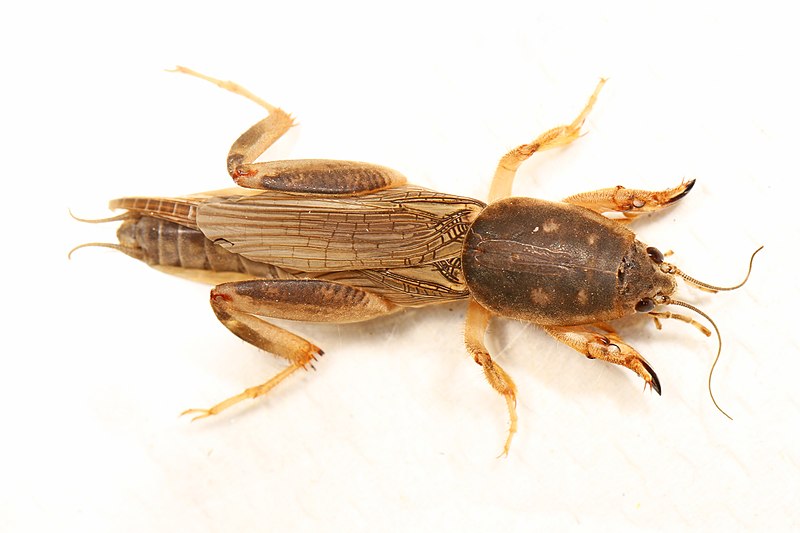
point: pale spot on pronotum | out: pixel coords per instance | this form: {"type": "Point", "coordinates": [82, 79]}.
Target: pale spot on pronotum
{"type": "Point", "coordinates": [582, 297]}
{"type": "Point", "coordinates": [539, 297]}
{"type": "Point", "coordinates": [550, 226]}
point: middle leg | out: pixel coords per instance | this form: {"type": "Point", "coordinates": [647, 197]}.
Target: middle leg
{"type": "Point", "coordinates": [477, 323]}
{"type": "Point", "coordinates": [559, 136]}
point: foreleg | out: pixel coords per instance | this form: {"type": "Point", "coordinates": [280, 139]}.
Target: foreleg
{"type": "Point", "coordinates": [606, 346]}
{"type": "Point", "coordinates": [629, 202]}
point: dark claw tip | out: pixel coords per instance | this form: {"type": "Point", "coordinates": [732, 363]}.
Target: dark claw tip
{"type": "Point", "coordinates": [683, 193]}
{"type": "Point", "coordinates": [655, 384]}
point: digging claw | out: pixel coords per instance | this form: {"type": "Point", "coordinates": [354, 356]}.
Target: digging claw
{"type": "Point", "coordinates": [683, 193]}
{"type": "Point", "coordinates": [655, 384]}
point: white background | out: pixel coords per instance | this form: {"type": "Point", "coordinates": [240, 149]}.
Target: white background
{"type": "Point", "coordinates": [397, 428]}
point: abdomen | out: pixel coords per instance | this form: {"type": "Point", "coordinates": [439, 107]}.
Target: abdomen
{"type": "Point", "coordinates": [161, 243]}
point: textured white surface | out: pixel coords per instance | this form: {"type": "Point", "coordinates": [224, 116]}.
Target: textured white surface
{"type": "Point", "coordinates": [397, 429]}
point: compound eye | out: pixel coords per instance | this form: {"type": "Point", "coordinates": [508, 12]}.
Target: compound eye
{"type": "Point", "coordinates": [655, 254]}
{"type": "Point", "coordinates": [645, 305]}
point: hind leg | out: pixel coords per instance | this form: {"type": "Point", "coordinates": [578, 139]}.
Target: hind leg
{"type": "Point", "coordinates": [239, 306]}
{"type": "Point", "coordinates": [319, 176]}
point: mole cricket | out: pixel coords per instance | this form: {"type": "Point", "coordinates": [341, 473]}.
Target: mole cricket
{"type": "Point", "coordinates": [342, 241]}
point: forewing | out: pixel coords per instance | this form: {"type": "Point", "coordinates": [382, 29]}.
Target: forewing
{"type": "Point", "coordinates": [398, 227]}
